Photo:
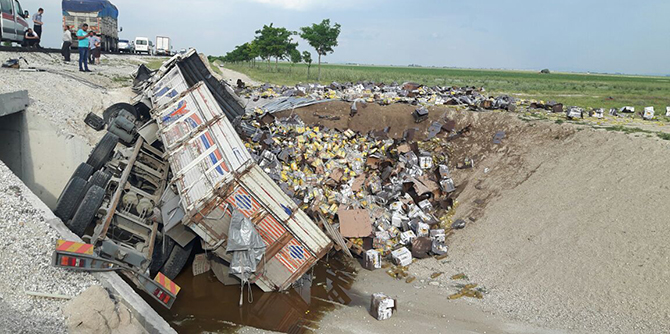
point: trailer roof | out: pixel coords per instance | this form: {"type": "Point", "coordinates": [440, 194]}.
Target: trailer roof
{"type": "Point", "coordinates": [103, 7]}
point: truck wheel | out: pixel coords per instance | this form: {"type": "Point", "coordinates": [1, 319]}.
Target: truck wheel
{"type": "Point", "coordinates": [103, 151]}
{"type": "Point", "coordinates": [159, 257]}
{"type": "Point", "coordinates": [70, 197]}
{"type": "Point", "coordinates": [177, 260]}
{"type": "Point", "coordinates": [86, 211]}
{"type": "Point", "coordinates": [84, 171]}
{"type": "Point", "coordinates": [100, 179]}
{"type": "Point", "coordinates": [113, 111]}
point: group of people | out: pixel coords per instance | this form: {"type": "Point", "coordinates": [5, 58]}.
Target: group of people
{"type": "Point", "coordinates": [88, 43]}
{"type": "Point", "coordinates": [34, 35]}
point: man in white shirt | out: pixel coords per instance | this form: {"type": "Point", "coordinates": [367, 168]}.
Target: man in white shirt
{"type": "Point", "coordinates": [67, 43]}
{"type": "Point", "coordinates": [31, 39]}
{"type": "Point", "coordinates": [37, 22]}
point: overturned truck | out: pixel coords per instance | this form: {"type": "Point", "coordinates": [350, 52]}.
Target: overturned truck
{"type": "Point", "coordinates": [171, 171]}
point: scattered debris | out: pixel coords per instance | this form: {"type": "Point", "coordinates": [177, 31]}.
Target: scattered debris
{"type": "Point", "coordinates": [201, 264]}
{"type": "Point", "coordinates": [498, 137]}
{"type": "Point", "coordinates": [648, 113]}
{"type": "Point", "coordinates": [467, 291]}
{"type": "Point", "coordinates": [382, 306]}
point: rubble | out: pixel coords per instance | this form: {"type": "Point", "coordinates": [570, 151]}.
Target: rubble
{"type": "Point", "coordinates": [394, 193]}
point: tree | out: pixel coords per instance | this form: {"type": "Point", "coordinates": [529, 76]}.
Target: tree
{"type": "Point", "coordinates": [307, 58]}
{"type": "Point", "coordinates": [241, 53]}
{"type": "Point", "coordinates": [295, 56]}
{"type": "Point", "coordinates": [274, 42]}
{"type": "Point", "coordinates": [322, 37]}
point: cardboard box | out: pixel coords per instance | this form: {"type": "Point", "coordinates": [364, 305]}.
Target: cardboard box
{"type": "Point", "coordinates": [407, 237]}
{"type": "Point", "coordinates": [382, 306]}
{"type": "Point", "coordinates": [373, 259]}
{"type": "Point", "coordinates": [402, 256]}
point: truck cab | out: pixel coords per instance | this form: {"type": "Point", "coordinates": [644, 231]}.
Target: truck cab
{"type": "Point", "coordinates": [13, 25]}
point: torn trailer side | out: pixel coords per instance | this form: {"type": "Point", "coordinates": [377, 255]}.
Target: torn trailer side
{"type": "Point", "coordinates": [185, 71]}
{"type": "Point", "coordinates": [212, 169]}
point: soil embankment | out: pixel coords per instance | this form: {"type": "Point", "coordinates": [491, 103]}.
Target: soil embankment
{"type": "Point", "coordinates": [565, 225]}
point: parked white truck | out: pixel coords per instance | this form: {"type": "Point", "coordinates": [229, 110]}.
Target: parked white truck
{"type": "Point", "coordinates": [163, 46]}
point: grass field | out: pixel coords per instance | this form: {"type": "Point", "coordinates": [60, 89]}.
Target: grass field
{"type": "Point", "coordinates": [585, 90]}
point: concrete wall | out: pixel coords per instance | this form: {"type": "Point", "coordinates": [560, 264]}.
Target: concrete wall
{"type": "Point", "coordinates": [41, 157]}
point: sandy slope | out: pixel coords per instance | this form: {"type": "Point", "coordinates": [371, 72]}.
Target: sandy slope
{"type": "Point", "coordinates": [566, 232]}
{"type": "Point", "coordinates": [583, 243]}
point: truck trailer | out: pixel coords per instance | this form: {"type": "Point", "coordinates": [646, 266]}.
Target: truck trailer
{"type": "Point", "coordinates": [101, 17]}
{"type": "Point", "coordinates": [163, 46]}
{"type": "Point", "coordinates": [172, 175]}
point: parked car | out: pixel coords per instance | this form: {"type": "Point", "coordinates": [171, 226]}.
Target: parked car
{"type": "Point", "coordinates": [13, 25]}
{"type": "Point", "coordinates": [126, 46]}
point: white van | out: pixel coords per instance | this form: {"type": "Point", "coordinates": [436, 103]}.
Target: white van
{"type": "Point", "coordinates": [142, 45]}
{"type": "Point", "coordinates": [13, 25]}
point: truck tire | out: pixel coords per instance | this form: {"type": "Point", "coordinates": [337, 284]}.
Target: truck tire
{"type": "Point", "coordinates": [103, 151]}
{"type": "Point", "coordinates": [69, 199]}
{"type": "Point", "coordinates": [176, 261]}
{"type": "Point", "coordinates": [84, 171]}
{"type": "Point", "coordinates": [86, 211]}
{"type": "Point", "coordinates": [112, 111]}
{"type": "Point", "coordinates": [100, 179]}
{"type": "Point", "coordinates": [159, 257]}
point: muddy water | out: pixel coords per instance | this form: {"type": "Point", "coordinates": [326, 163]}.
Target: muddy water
{"type": "Point", "coordinates": [206, 305]}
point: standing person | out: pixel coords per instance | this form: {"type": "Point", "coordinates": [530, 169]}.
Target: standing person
{"type": "Point", "coordinates": [67, 43]}
{"type": "Point", "coordinates": [37, 24]}
{"type": "Point", "coordinates": [94, 44]}
{"type": "Point", "coordinates": [97, 50]}
{"type": "Point", "coordinates": [82, 36]}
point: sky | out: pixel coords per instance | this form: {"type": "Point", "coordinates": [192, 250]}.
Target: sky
{"type": "Point", "coordinates": [611, 36]}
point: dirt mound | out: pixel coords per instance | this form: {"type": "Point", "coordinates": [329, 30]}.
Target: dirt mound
{"type": "Point", "coordinates": [398, 117]}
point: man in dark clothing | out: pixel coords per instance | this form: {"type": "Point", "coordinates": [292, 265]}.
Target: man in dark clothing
{"type": "Point", "coordinates": [37, 23]}
{"type": "Point", "coordinates": [31, 38]}
{"type": "Point", "coordinates": [67, 43]}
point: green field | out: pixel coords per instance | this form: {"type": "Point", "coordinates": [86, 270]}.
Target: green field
{"type": "Point", "coordinates": [585, 90]}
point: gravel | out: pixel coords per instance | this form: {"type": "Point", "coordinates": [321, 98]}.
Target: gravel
{"type": "Point", "coordinates": [26, 246]}
{"type": "Point", "coordinates": [63, 95]}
